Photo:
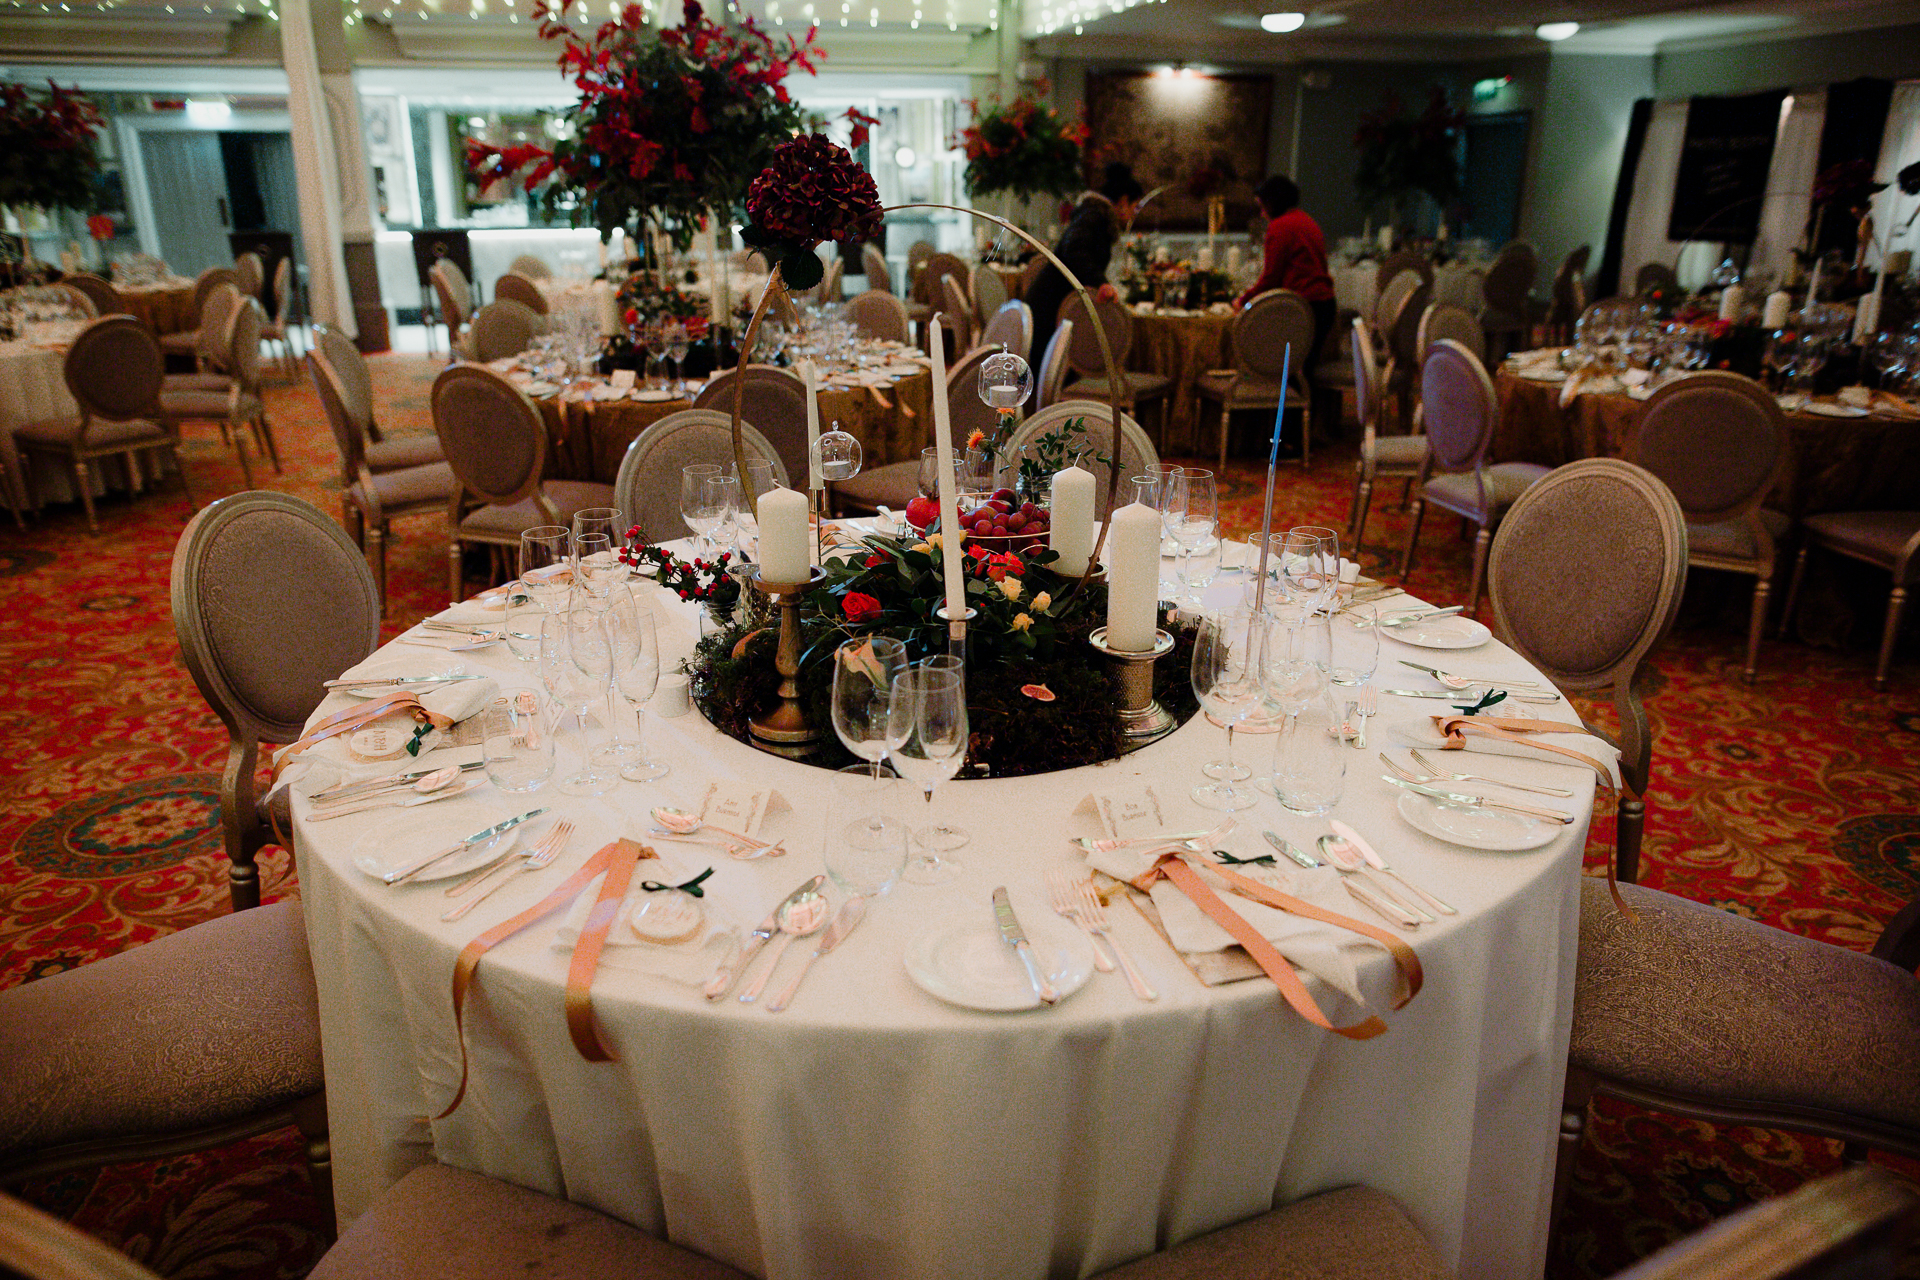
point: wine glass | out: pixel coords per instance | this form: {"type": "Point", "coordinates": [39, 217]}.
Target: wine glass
{"type": "Point", "coordinates": [863, 672]}
{"type": "Point", "coordinates": [544, 569]}
{"type": "Point", "coordinates": [926, 743]}
{"type": "Point", "coordinates": [696, 504]}
{"type": "Point", "coordinates": [760, 483]}
{"type": "Point", "coordinates": [1311, 566]}
{"type": "Point", "coordinates": [928, 477]}
{"type": "Point", "coordinates": [725, 496]}
{"type": "Point", "coordinates": [1227, 656]}
{"type": "Point", "coordinates": [1193, 523]}
{"type": "Point", "coordinates": [676, 341]}
{"type": "Point", "coordinates": [636, 674]}
{"type": "Point", "coordinates": [596, 569]}
{"type": "Point", "coordinates": [576, 664]}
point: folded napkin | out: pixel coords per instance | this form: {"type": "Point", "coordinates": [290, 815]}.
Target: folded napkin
{"type": "Point", "coordinates": [1324, 950]}
{"type": "Point", "coordinates": [461, 699]}
{"type": "Point", "coordinates": [691, 962]}
{"type": "Point", "coordinates": [1425, 734]}
{"type": "Point", "coordinates": [607, 391]}
{"type": "Point", "coordinates": [481, 611]}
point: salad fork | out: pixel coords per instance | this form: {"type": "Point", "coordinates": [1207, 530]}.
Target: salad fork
{"type": "Point", "coordinates": [541, 855]}
{"type": "Point", "coordinates": [1369, 707]}
{"type": "Point", "coordinates": [1065, 897]}
{"type": "Point", "coordinates": [1094, 913]}
{"type": "Point", "coordinates": [1428, 765]}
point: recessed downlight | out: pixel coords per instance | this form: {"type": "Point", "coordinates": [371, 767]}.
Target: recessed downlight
{"type": "Point", "coordinates": [1556, 30]}
{"type": "Point", "coordinates": [1281, 23]}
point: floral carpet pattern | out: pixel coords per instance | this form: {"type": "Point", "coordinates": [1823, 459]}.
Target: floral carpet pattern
{"type": "Point", "coordinates": [1793, 801]}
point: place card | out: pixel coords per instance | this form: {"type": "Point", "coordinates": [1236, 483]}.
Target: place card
{"type": "Point", "coordinates": [621, 378]}
{"type": "Point", "coordinates": [1132, 813]}
{"type": "Point", "coordinates": [739, 807]}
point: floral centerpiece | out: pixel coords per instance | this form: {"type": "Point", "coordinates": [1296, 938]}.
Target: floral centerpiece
{"type": "Point", "coordinates": [1402, 153]}
{"type": "Point", "coordinates": [1023, 147]}
{"type": "Point", "coordinates": [47, 155]}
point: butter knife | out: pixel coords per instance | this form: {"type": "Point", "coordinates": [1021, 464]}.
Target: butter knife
{"type": "Point", "coordinates": [1016, 937]}
{"type": "Point", "coordinates": [380, 680]}
{"type": "Point", "coordinates": [1379, 864]}
{"type": "Point", "coordinates": [1460, 695]}
{"type": "Point", "coordinates": [722, 980]}
{"type": "Point", "coordinates": [1477, 802]}
{"type": "Point", "coordinates": [407, 873]}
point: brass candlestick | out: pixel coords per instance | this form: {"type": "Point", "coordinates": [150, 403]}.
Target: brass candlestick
{"type": "Point", "coordinates": [1142, 718]}
{"type": "Point", "coordinates": [784, 728]}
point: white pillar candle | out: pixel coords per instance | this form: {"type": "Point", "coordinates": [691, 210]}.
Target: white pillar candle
{"type": "Point", "coordinates": [716, 295]}
{"type": "Point", "coordinates": [1866, 317]}
{"type": "Point", "coordinates": [1133, 578]}
{"type": "Point", "coordinates": [609, 312]}
{"type": "Point", "coordinates": [950, 550]}
{"type": "Point", "coordinates": [814, 480]}
{"type": "Point", "coordinates": [1775, 315]}
{"type": "Point", "coordinates": [783, 536]}
{"type": "Point", "coordinates": [1071, 534]}
{"type": "Point", "coordinates": [1732, 302]}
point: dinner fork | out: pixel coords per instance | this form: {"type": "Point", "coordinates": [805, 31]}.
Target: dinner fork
{"type": "Point", "coordinates": [1369, 707]}
{"type": "Point", "coordinates": [1094, 917]}
{"type": "Point", "coordinates": [1428, 765]}
{"type": "Point", "coordinates": [1065, 896]}
{"type": "Point", "coordinates": [542, 854]}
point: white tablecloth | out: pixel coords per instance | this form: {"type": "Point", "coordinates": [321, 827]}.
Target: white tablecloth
{"type": "Point", "coordinates": [873, 1131]}
{"type": "Point", "coordinates": [33, 388]}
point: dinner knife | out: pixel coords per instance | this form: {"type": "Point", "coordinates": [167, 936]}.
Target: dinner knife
{"type": "Point", "coordinates": [379, 680]}
{"type": "Point", "coordinates": [1458, 695]}
{"type": "Point", "coordinates": [722, 980]}
{"type": "Point", "coordinates": [1408, 619]}
{"type": "Point", "coordinates": [1017, 938]}
{"type": "Point", "coordinates": [1306, 860]}
{"type": "Point", "coordinates": [408, 873]}
{"type": "Point", "coordinates": [1436, 673]}
{"type": "Point", "coordinates": [340, 791]}
{"type": "Point", "coordinates": [852, 911]}
{"type": "Point", "coordinates": [1477, 802]}
{"type": "Point", "coordinates": [1379, 864]}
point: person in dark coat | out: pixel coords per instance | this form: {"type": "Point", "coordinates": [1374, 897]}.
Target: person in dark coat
{"type": "Point", "coordinates": [1086, 246]}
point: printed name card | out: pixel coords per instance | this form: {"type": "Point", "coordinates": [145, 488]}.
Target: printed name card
{"type": "Point", "coordinates": [622, 379]}
{"type": "Point", "coordinates": [1131, 813]}
{"type": "Point", "coordinates": [738, 806]}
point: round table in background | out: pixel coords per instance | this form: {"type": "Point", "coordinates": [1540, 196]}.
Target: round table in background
{"type": "Point", "coordinates": [164, 308]}
{"type": "Point", "coordinates": [872, 1130]}
{"type": "Point", "coordinates": [1182, 345]}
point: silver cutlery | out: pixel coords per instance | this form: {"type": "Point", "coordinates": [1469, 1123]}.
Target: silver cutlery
{"type": "Point", "coordinates": [406, 802]}
{"type": "Point", "coordinates": [1396, 620]}
{"type": "Point", "coordinates": [796, 918]}
{"type": "Point", "coordinates": [1443, 776]}
{"type": "Point", "coordinates": [723, 977]}
{"type": "Point", "coordinates": [385, 680]}
{"type": "Point", "coordinates": [1063, 892]}
{"type": "Point", "coordinates": [541, 855]}
{"type": "Point", "coordinates": [473, 628]}
{"type": "Point", "coordinates": [1369, 707]}
{"type": "Point", "coordinates": [1171, 837]}
{"type": "Point", "coordinates": [1016, 937]}
{"type": "Point", "coordinates": [852, 911]}
{"type": "Point", "coordinates": [1095, 912]}
{"type": "Point", "coordinates": [1346, 729]}
{"type": "Point", "coordinates": [1380, 864]}
{"type": "Point", "coordinates": [1306, 860]}
{"type": "Point", "coordinates": [1467, 682]}
{"type": "Point", "coordinates": [395, 782]}
{"type": "Point", "coordinates": [1454, 697]}
{"type": "Point", "coordinates": [744, 852]}
{"type": "Point", "coordinates": [1477, 802]}
{"type": "Point", "coordinates": [407, 873]}
{"type": "Point", "coordinates": [1344, 856]}
{"type": "Point", "coordinates": [1392, 915]}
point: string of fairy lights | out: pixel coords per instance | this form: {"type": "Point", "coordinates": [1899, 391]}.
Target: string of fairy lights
{"type": "Point", "coordinates": [912, 14]}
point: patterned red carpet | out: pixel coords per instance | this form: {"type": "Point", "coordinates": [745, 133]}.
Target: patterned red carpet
{"type": "Point", "coordinates": [1794, 801]}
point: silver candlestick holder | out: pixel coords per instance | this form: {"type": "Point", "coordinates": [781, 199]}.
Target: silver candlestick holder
{"type": "Point", "coordinates": [1142, 718]}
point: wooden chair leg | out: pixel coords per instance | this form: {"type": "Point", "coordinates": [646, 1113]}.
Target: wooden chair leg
{"type": "Point", "coordinates": [84, 483]}
{"type": "Point", "coordinates": [1762, 593]}
{"type": "Point", "coordinates": [376, 552]}
{"type": "Point", "coordinates": [1353, 503]}
{"type": "Point", "coordinates": [1481, 542]}
{"type": "Point", "coordinates": [1226, 421]}
{"type": "Point", "coordinates": [1896, 605]}
{"type": "Point", "coordinates": [1306, 436]}
{"type": "Point", "coordinates": [453, 571]}
{"type": "Point", "coordinates": [263, 432]}
{"type": "Point", "coordinates": [310, 1115]}
{"type": "Point", "coordinates": [1793, 588]}
{"type": "Point", "coordinates": [1629, 826]}
{"type": "Point", "coordinates": [1363, 504]}
{"type": "Point", "coordinates": [1575, 1098]}
{"type": "Point", "coordinates": [240, 451]}
{"type": "Point", "coordinates": [354, 523]}
{"type": "Point", "coordinates": [1413, 536]}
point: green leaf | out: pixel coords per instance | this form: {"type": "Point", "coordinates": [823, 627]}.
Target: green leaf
{"type": "Point", "coordinates": [800, 268]}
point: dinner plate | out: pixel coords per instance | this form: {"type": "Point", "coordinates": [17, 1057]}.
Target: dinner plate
{"type": "Point", "coordinates": [652, 395]}
{"type": "Point", "coordinates": [392, 668]}
{"type": "Point", "coordinates": [1488, 829]}
{"type": "Point", "coordinates": [388, 848]}
{"type": "Point", "coordinates": [1454, 632]}
{"type": "Point", "coordinates": [1544, 375]}
{"type": "Point", "coordinates": [1827, 410]}
{"type": "Point", "coordinates": [963, 960]}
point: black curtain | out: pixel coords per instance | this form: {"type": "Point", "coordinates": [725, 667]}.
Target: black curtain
{"type": "Point", "coordinates": [1722, 179]}
{"type": "Point", "coordinates": [1607, 282]}
{"type": "Point", "coordinates": [1856, 122]}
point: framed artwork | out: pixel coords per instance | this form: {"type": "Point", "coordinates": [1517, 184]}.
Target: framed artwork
{"type": "Point", "coordinates": [1194, 135]}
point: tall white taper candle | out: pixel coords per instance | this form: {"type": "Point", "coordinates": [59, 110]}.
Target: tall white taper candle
{"type": "Point", "coordinates": [808, 376]}
{"type": "Point", "coordinates": [950, 550]}
{"type": "Point", "coordinates": [1133, 578]}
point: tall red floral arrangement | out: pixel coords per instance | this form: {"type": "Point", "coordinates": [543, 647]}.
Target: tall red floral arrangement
{"type": "Point", "coordinates": [1023, 146]}
{"type": "Point", "coordinates": [47, 153]}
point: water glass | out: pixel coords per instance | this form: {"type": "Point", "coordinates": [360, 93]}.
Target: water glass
{"type": "Point", "coordinates": [863, 672]}
{"type": "Point", "coordinates": [1227, 669]}
{"type": "Point", "coordinates": [544, 569]}
{"type": "Point", "coordinates": [866, 840]}
{"type": "Point", "coordinates": [1310, 756]}
{"type": "Point", "coordinates": [519, 742]}
{"type": "Point", "coordinates": [697, 503]}
{"type": "Point", "coordinates": [927, 734]}
{"type": "Point", "coordinates": [522, 624]}
{"type": "Point", "coordinates": [1354, 644]}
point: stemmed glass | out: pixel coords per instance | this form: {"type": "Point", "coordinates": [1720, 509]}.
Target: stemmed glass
{"type": "Point", "coordinates": [1310, 564]}
{"type": "Point", "coordinates": [760, 482]}
{"type": "Point", "coordinates": [1227, 654]}
{"type": "Point", "coordinates": [596, 569]}
{"type": "Point", "coordinates": [576, 664]}
{"type": "Point", "coordinates": [676, 342]}
{"type": "Point", "coordinates": [928, 476]}
{"type": "Point", "coordinates": [926, 743]}
{"type": "Point", "coordinates": [636, 674]}
{"type": "Point", "coordinates": [723, 492]}
{"type": "Point", "coordinates": [863, 672]}
{"type": "Point", "coordinates": [1192, 517]}
{"type": "Point", "coordinates": [544, 569]}
{"type": "Point", "coordinates": [698, 503]}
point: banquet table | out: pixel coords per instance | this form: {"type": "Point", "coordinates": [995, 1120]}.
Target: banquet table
{"type": "Point", "coordinates": [164, 307]}
{"type": "Point", "coordinates": [872, 1130]}
{"type": "Point", "coordinates": [33, 388]}
{"type": "Point", "coordinates": [1182, 345]}
{"type": "Point", "coordinates": [1834, 463]}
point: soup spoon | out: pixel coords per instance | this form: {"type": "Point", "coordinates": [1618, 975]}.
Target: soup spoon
{"type": "Point", "coordinates": [798, 917]}
{"type": "Point", "coordinates": [682, 823]}
{"type": "Point", "coordinates": [430, 788]}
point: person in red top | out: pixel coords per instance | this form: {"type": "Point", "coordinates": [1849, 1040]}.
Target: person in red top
{"type": "Point", "coordinates": [1296, 259]}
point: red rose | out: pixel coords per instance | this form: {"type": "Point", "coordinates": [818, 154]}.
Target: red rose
{"type": "Point", "coordinates": [859, 606]}
{"type": "Point", "coordinates": [875, 560]}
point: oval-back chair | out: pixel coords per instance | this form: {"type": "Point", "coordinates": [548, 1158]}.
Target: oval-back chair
{"type": "Point", "coordinates": [647, 488]}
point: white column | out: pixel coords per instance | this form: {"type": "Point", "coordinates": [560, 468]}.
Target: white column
{"type": "Point", "coordinates": [317, 169]}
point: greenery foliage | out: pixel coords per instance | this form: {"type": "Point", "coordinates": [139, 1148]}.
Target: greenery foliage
{"type": "Point", "coordinates": [1022, 146]}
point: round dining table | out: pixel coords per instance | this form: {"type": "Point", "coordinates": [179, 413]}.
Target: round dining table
{"type": "Point", "coordinates": [1182, 345]}
{"type": "Point", "coordinates": [165, 306]}
{"type": "Point", "coordinates": [874, 1130]}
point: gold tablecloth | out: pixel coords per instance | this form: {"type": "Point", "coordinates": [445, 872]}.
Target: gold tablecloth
{"type": "Point", "coordinates": [162, 308]}
{"type": "Point", "coordinates": [587, 441]}
{"type": "Point", "coordinates": [1835, 464]}
{"type": "Point", "coordinates": [1182, 348]}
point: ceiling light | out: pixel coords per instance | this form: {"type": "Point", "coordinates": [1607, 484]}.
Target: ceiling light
{"type": "Point", "coordinates": [1280, 23]}
{"type": "Point", "coordinates": [1556, 30]}
{"type": "Point", "coordinates": [209, 113]}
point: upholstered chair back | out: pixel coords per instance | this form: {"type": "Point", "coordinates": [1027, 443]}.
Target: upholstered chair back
{"type": "Point", "coordinates": [1461, 409]}
{"type": "Point", "coordinates": [1446, 320]}
{"type": "Point", "coordinates": [502, 328]}
{"type": "Point", "coordinates": [1263, 332]}
{"type": "Point", "coordinates": [774, 400]}
{"type": "Point", "coordinates": [514, 287]}
{"type": "Point", "coordinates": [114, 369]}
{"type": "Point", "coordinates": [492, 434]}
{"type": "Point", "coordinates": [1011, 327]}
{"type": "Point", "coordinates": [1717, 439]}
{"type": "Point", "coordinates": [647, 488]}
{"type": "Point", "coordinates": [878, 314]}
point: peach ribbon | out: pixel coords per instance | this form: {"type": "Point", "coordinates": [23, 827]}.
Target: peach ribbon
{"type": "Point", "coordinates": [617, 861]}
{"type": "Point", "coordinates": [352, 718]}
{"type": "Point", "coordinates": [1266, 955]}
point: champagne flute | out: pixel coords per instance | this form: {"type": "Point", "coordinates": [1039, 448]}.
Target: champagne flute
{"type": "Point", "coordinates": [1194, 523]}
{"type": "Point", "coordinates": [926, 743]}
{"type": "Point", "coordinates": [1227, 654]}
{"type": "Point", "coordinates": [576, 664]}
{"type": "Point", "coordinates": [636, 674]}
{"type": "Point", "coordinates": [696, 504]}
